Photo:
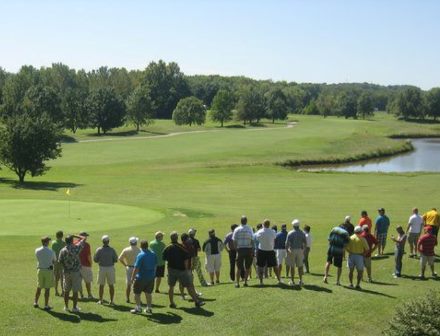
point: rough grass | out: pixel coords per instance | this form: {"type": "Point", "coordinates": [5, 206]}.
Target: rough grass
{"type": "Point", "coordinates": [208, 180]}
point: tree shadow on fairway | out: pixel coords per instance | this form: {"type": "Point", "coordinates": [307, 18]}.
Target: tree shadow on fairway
{"type": "Point", "coordinates": [38, 185]}
{"type": "Point", "coordinates": [197, 311]}
{"type": "Point", "coordinates": [317, 288]}
{"type": "Point", "coordinates": [168, 318]}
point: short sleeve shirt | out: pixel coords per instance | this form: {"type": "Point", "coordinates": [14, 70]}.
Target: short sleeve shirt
{"type": "Point", "coordinates": [266, 238]}
{"type": "Point", "coordinates": [69, 257]}
{"type": "Point", "coordinates": [129, 254]}
{"type": "Point", "coordinates": [157, 247]}
{"type": "Point", "coordinates": [45, 257]}
{"type": "Point", "coordinates": [175, 255]}
{"type": "Point", "coordinates": [415, 223]}
{"type": "Point", "coordinates": [146, 262]}
{"type": "Point", "coordinates": [382, 224]}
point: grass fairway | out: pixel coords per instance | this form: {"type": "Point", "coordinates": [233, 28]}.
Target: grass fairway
{"type": "Point", "coordinates": [124, 187]}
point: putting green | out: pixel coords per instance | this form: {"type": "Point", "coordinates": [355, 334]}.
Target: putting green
{"type": "Point", "coordinates": [39, 217]}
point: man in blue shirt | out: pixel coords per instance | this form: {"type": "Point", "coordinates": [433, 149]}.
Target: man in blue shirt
{"type": "Point", "coordinates": [280, 248]}
{"type": "Point", "coordinates": [143, 277]}
{"type": "Point", "coordinates": [381, 230]}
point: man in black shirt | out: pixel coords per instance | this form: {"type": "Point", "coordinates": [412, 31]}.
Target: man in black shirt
{"type": "Point", "coordinates": [178, 262]}
{"type": "Point", "coordinates": [195, 262]}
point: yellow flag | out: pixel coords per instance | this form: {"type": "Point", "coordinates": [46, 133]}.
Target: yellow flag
{"type": "Point", "coordinates": [68, 192]}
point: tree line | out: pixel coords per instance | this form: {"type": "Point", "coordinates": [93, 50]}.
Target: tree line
{"type": "Point", "coordinates": [43, 102]}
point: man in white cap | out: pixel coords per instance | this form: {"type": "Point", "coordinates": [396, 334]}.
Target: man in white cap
{"type": "Point", "coordinates": [357, 248]}
{"type": "Point", "coordinates": [106, 257]}
{"type": "Point", "coordinates": [295, 244]}
{"type": "Point", "coordinates": [127, 258]}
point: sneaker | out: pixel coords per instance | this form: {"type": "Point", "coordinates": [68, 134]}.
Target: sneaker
{"type": "Point", "coordinates": [47, 308]}
{"type": "Point", "coordinates": [157, 291]}
{"type": "Point", "coordinates": [66, 309]}
{"type": "Point", "coordinates": [76, 310]}
{"type": "Point", "coordinates": [434, 275]}
{"type": "Point", "coordinates": [237, 285]}
{"type": "Point", "coordinates": [127, 301]}
{"type": "Point", "coordinates": [90, 297]}
{"type": "Point", "coordinates": [148, 310]}
{"type": "Point", "coordinates": [100, 302]}
{"type": "Point", "coordinates": [291, 283]}
{"type": "Point", "coordinates": [35, 305]}
{"type": "Point", "coordinates": [358, 287]}
{"type": "Point", "coordinates": [301, 283]}
{"type": "Point", "coordinates": [199, 294]}
{"type": "Point", "coordinates": [136, 310]}
{"type": "Point", "coordinates": [111, 303]}
{"type": "Point", "coordinates": [325, 280]}
{"type": "Point", "coordinates": [173, 305]}
{"type": "Point", "coordinates": [245, 284]}
{"type": "Point", "coordinates": [421, 277]}
{"type": "Point", "coordinates": [338, 284]}
{"type": "Point", "coordinates": [200, 303]}
{"type": "Point", "coordinates": [351, 286]}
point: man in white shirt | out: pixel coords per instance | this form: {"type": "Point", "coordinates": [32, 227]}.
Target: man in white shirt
{"type": "Point", "coordinates": [128, 258]}
{"type": "Point", "coordinates": [266, 253]}
{"type": "Point", "coordinates": [244, 244]}
{"type": "Point", "coordinates": [45, 260]}
{"type": "Point", "coordinates": [415, 224]}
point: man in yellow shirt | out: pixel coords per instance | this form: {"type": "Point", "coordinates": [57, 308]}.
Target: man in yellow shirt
{"type": "Point", "coordinates": [432, 218]}
{"type": "Point", "coordinates": [357, 247]}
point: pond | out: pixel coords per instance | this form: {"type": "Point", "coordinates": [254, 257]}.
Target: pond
{"type": "Point", "coordinates": [425, 157]}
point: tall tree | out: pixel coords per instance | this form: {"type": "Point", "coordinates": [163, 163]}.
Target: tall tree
{"type": "Point", "coordinates": [347, 104]}
{"type": "Point", "coordinates": [189, 110]}
{"type": "Point", "coordinates": [408, 104]}
{"type": "Point", "coordinates": [433, 103]}
{"type": "Point", "coordinates": [222, 106]}
{"type": "Point", "coordinates": [325, 104]}
{"type": "Point", "coordinates": [251, 104]}
{"type": "Point", "coordinates": [27, 142]}
{"type": "Point", "coordinates": [140, 107]}
{"type": "Point", "coordinates": [41, 99]}
{"type": "Point", "coordinates": [276, 104]}
{"type": "Point", "coordinates": [106, 110]}
{"type": "Point", "coordinates": [167, 86]}
{"type": "Point", "coordinates": [365, 106]}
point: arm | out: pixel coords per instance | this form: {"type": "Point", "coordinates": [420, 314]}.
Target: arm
{"type": "Point", "coordinates": [133, 275]}
{"type": "Point", "coordinates": [122, 259]}
{"type": "Point", "coordinates": [96, 256]}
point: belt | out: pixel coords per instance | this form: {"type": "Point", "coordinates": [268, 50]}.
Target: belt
{"type": "Point", "coordinates": [130, 265]}
{"type": "Point", "coordinates": [49, 268]}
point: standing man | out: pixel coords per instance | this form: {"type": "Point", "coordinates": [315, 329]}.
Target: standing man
{"type": "Point", "coordinates": [337, 240]}
{"type": "Point", "coordinates": [372, 244]}
{"type": "Point", "coordinates": [157, 246]}
{"type": "Point", "coordinates": [280, 248]}
{"type": "Point", "coordinates": [243, 238]}
{"type": "Point", "coordinates": [357, 248]}
{"type": "Point", "coordinates": [195, 262]}
{"type": "Point", "coordinates": [266, 254]}
{"type": "Point", "coordinates": [365, 220]}
{"type": "Point", "coordinates": [213, 248]}
{"type": "Point", "coordinates": [229, 246]}
{"type": "Point", "coordinates": [85, 258]}
{"type": "Point", "coordinates": [143, 275]}
{"type": "Point", "coordinates": [295, 244]}
{"type": "Point", "coordinates": [57, 245]}
{"type": "Point", "coordinates": [399, 250]}
{"type": "Point", "coordinates": [347, 225]}
{"type": "Point", "coordinates": [127, 258]}
{"type": "Point", "coordinates": [106, 257]}
{"type": "Point", "coordinates": [432, 218]}
{"type": "Point", "coordinates": [381, 230]}
{"type": "Point", "coordinates": [178, 258]}
{"type": "Point", "coordinates": [415, 223]}
{"type": "Point", "coordinates": [45, 261]}
{"type": "Point", "coordinates": [425, 246]}
{"type": "Point", "coordinates": [69, 259]}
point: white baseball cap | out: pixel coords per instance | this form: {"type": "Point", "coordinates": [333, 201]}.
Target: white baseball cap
{"type": "Point", "coordinates": [133, 240]}
{"type": "Point", "coordinates": [105, 238]}
{"type": "Point", "coordinates": [295, 222]}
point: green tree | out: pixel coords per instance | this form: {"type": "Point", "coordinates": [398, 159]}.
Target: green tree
{"type": "Point", "coordinates": [365, 106]}
{"type": "Point", "coordinates": [41, 99]}
{"type": "Point", "coordinates": [167, 86]}
{"type": "Point", "coordinates": [408, 104]}
{"type": "Point", "coordinates": [311, 108]}
{"type": "Point", "coordinates": [347, 104]}
{"type": "Point", "coordinates": [222, 106]}
{"type": "Point", "coordinates": [106, 110]}
{"type": "Point", "coordinates": [276, 104]}
{"type": "Point", "coordinates": [251, 104]}
{"type": "Point", "coordinates": [325, 104]}
{"type": "Point", "coordinates": [140, 107]}
{"type": "Point", "coordinates": [189, 111]}
{"type": "Point", "coordinates": [27, 142]}
{"type": "Point", "coordinates": [433, 103]}
{"type": "Point", "coordinates": [75, 109]}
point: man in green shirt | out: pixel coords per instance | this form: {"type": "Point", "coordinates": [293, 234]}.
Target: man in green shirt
{"type": "Point", "coordinates": [157, 246]}
{"type": "Point", "coordinates": [57, 245]}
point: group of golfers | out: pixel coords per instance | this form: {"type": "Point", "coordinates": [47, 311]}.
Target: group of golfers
{"type": "Point", "coordinates": [67, 263]}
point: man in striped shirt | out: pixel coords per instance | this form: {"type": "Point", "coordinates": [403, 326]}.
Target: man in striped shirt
{"type": "Point", "coordinates": [243, 242]}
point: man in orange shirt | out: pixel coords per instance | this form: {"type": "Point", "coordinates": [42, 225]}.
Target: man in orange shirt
{"type": "Point", "coordinates": [365, 220]}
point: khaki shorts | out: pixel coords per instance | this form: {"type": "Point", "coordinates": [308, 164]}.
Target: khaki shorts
{"type": "Point", "coordinates": [213, 263]}
{"type": "Point", "coordinates": [295, 258]}
{"type": "Point", "coordinates": [58, 270]}
{"type": "Point", "coordinates": [128, 273]}
{"type": "Point", "coordinates": [106, 274]}
{"type": "Point", "coordinates": [426, 260]}
{"type": "Point", "coordinates": [86, 274]}
{"type": "Point", "coordinates": [45, 278]}
{"type": "Point", "coordinates": [72, 281]}
{"type": "Point", "coordinates": [184, 277]}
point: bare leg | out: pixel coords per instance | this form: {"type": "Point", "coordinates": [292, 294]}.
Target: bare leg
{"type": "Point", "coordinates": [158, 280]}
{"type": "Point", "coordinates": [292, 274]}
{"type": "Point", "coordinates": [46, 297]}
{"type": "Point", "coordinates": [171, 295]}
{"type": "Point", "coordinates": [277, 272]}
{"type": "Point", "coordinates": [66, 299]}
{"type": "Point", "coordinates": [217, 276]}
{"type": "Point", "coordinates": [350, 276]}
{"type": "Point", "coordinates": [89, 289]}
{"type": "Point", "coordinates": [338, 277]}
{"type": "Point", "coordinates": [326, 271]}
{"type": "Point", "coordinates": [127, 292]}
{"type": "Point", "coordinates": [211, 276]}
{"type": "Point", "coordinates": [300, 274]}
{"type": "Point", "coordinates": [111, 290]}
{"type": "Point", "coordinates": [359, 277]}
{"type": "Point", "coordinates": [137, 299]}
{"type": "Point", "coordinates": [37, 295]}
{"type": "Point", "coordinates": [101, 292]}
{"type": "Point", "coordinates": [75, 299]}
{"type": "Point", "coordinates": [260, 274]}
{"type": "Point", "coordinates": [193, 293]}
{"type": "Point", "coordinates": [149, 299]}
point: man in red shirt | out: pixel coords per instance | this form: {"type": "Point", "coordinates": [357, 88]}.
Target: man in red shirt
{"type": "Point", "coordinates": [85, 257]}
{"type": "Point", "coordinates": [426, 245]}
{"type": "Point", "coordinates": [372, 244]}
{"type": "Point", "coordinates": [365, 220]}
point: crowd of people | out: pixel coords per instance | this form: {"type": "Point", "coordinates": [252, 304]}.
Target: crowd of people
{"type": "Point", "coordinates": [68, 262]}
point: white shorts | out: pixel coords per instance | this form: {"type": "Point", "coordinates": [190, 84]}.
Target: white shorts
{"type": "Point", "coordinates": [295, 258]}
{"type": "Point", "coordinates": [106, 274]}
{"type": "Point", "coordinates": [86, 274]}
{"type": "Point", "coordinates": [281, 256]}
{"type": "Point", "coordinates": [128, 273]}
{"type": "Point", "coordinates": [213, 263]}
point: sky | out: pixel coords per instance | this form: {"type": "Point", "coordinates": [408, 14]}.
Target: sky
{"type": "Point", "coordinates": [385, 42]}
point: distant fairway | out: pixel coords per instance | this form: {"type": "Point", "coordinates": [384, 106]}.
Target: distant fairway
{"type": "Point", "coordinates": [208, 180]}
{"type": "Point", "coordinates": [39, 217]}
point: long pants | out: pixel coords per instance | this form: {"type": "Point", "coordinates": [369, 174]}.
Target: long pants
{"type": "Point", "coordinates": [306, 258]}
{"type": "Point", "coordinates": [232, 263]}
{"type": "Point", "coordinates": [197, 266]}
{"type": "Point", "coordinates": [398, 254]}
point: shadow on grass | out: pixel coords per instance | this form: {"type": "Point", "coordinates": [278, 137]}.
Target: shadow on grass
{"type": "Point", "coordinates": [121, 134]}
{"type": "Point", "coordinates": [383, 283]}
{"type": "Point", "coordinates": [65, 317]}
{"type": "Point", "coordinates": [413, 277]}
{"type": "Point", "coordinates": [317, 288]}
{"type": "Point", "coordinates": [120, 308]}
{"type": "Point", "coordinates": [93, 317]}
{"type": "Point", "coordinates": [38, 185]}
{"type": "Point", "coordinates": [197, 311]}
{"type": "Point", "coordinates": [68, 139]}
{"type": "Point", "coordinates": [168, 318]}
{"type": "Point", "coordinates": [203, 299]}
{"type": "Point", "coordinates": [316, 274]}
{"type": "Point", "coordinates": [234, 126]}
{"type": "Point", "coordinates": [380, 257]}
{"type": "Point", "coordinates": [368, 291]}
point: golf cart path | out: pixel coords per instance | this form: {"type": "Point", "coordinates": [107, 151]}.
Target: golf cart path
{"type": "Point", "coordinates": [289, 125]}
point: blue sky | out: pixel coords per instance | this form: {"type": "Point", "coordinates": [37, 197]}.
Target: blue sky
{"type": "Point", "coordinates": [378, 41]}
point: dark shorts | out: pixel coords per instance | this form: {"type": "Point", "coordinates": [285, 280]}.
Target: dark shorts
{"type": "Point", "coordinates": [335, 259]}
{"type": "Point", "coordinates": [435, 230]}
{"type": "Point", "coordinates": [244, 258]}
{"type": "Point", "coordinates": [140, 286]}
{"type": "Point", "coordinates": [184, 277]}
{"type": "Point", "coordinates": [266, 258]}
{"type": "Point", "coordinates": [160, 271]}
